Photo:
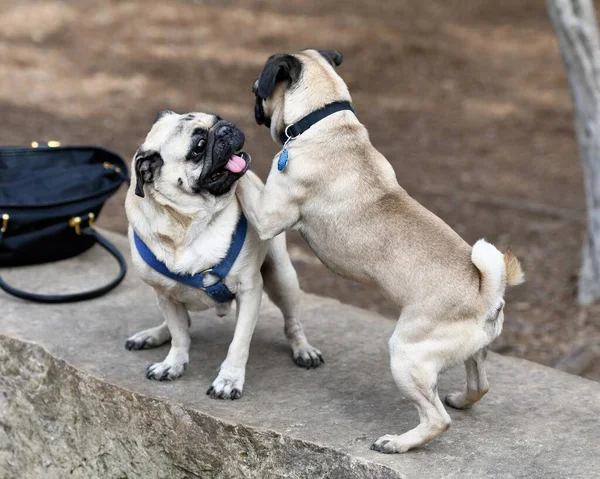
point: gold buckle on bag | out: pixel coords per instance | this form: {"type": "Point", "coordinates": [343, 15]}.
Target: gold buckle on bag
{"type": "Point", "coordinates": [5, 218]}
{"type": "Point", "coordinates": [75, 222]}
{"type": "Point", "coordinates": [50, 144]}
{"type": "Point", "coordinates": [110, 166]}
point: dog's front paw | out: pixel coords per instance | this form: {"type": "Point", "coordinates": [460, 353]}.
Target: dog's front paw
{"type": "Point", "coordinates": [171, 368]}
{"type": "Point", "coordinates": [228, 385]}
{"type": "Point", "coordinates": [307, 357]}
{"type": "Point", "coordinates": [390, 444]}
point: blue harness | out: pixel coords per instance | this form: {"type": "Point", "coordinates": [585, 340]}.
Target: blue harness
{"type": "Point", "coordinates": [218, 291]}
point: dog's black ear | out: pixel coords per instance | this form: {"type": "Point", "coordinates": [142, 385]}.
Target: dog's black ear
{"type": "Point", "coordinates": [163, 113]}
{"type": "Point", "coordinates": [332, 56]}
{"type": "Point", "coordinates": [259, 113]}
{"type": "Point", "coordinates": [146, 166]}
{"type": "Point", "coordinates": [280, 67]}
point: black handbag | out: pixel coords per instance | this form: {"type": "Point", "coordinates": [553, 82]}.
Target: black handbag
{"type": "Point", "coordinates": [50, 196]}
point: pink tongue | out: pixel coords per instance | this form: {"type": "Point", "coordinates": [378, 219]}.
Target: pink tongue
{"type": "Point", "coordinates": [235, 164]}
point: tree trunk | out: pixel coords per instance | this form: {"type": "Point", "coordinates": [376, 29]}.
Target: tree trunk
{"type": "Point", "coordinates": [574, 22]}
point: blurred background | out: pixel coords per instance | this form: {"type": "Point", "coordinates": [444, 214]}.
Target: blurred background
{"type": "Point", "coordinates": [468, 99]}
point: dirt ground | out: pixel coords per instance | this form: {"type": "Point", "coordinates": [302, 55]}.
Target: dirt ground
{"type": "Point", "coordinates": [466, 98]}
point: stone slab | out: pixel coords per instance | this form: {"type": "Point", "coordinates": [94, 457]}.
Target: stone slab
{"type": "Point", "coordinates": [75, 403]}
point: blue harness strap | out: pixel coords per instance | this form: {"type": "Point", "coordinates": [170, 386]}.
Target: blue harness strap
{"type": "Point", "coordinates": [218, 291]}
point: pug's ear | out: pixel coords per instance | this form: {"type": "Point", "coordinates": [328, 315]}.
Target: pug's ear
{"type": "Point", "coordinates": [259, 113]}
{"type": "Point", "coordinates": [146, 166]}
{"type": "Point", "coordinates": [163, 113]}
{"type": "Point", "coordinates": [334, 57]}
{"type": "Point", "coordinates": [280, 67]}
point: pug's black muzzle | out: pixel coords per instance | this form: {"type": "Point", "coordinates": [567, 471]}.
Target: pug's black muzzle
{"type": "Point", "coordinates": [224, 140]}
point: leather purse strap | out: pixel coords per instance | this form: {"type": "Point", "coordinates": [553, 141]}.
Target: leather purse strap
{"type": "Point", "coordinates": [71, 298]}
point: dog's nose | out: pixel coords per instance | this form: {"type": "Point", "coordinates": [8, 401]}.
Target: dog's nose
{"type": "Point", "coordinates": [223, 131]}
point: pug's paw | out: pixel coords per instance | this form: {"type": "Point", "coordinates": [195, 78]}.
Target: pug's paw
{"type": "Point", "coordinates": [170, 369]}
{"type": "Point", "coordinates": [307, 357]}
{"type": "Point", "coordinates": [228, 385]}
{"type": "Point", "coordinates": [390, 444]}
{"type": "Point", "coordinates": [148, 338]}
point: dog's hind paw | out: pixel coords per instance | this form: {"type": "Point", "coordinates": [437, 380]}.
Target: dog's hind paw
{"type": "Point", "coordinates": [169, 369]}
{"type": "Point", "coordinates": [149, 338]}
{"type": "Point", "coordinates": [457, 401]}
{"type": "Point", "coordinates": [307, 356]}
{"type": "Point", "coordinates": [390, 444]}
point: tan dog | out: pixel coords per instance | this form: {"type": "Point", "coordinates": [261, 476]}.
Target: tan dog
{"type": "Point", "coordinates": [182, 205]}
{"type": "Point", "coordinates": [343, 197]}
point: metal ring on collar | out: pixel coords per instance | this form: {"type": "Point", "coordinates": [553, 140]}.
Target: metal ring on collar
{"type": "Point", "coordinates": [289, 137]}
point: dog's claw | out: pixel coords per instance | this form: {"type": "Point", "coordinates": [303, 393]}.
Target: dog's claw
{"type": "Point", "coordinates": [131, 345]}
{"type": "Point", "coordinates": [222, 391]}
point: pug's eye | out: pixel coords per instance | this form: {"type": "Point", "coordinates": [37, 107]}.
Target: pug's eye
{"type": "Point", "coordinates": [199, 148]}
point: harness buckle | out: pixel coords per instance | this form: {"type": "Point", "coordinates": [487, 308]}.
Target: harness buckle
{"type": "Point", "coordinates": [204, 273]}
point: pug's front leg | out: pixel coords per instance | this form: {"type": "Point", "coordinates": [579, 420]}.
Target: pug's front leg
{"type": "Point", "coordinates": [178, 320]}
{"type": "Point", "coordinates": [230, 381]}
{"type": "Point", "coordinates": [269, 210]}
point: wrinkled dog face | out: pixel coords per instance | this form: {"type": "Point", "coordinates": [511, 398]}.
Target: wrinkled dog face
{"type": "Point", "coordinates": [191, 154]}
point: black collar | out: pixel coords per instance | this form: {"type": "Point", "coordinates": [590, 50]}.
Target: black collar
{"type": "Point", "coordinates": [296, 129]}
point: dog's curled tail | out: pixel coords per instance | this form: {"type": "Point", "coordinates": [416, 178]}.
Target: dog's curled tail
{"type": "Point", "coordinates": [497, 270]}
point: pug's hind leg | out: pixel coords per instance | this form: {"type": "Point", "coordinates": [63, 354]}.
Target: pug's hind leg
{"type": "Point", "coordinates": [178, 321]}
{"type": "Point", "coordinates": [149, 338]}
{"type": "Point", "coordinates": [281, 284]}
{"type": "Point", "coordinates": [477, 383]}
{"type": "Point", "coordinates": [415, 369]}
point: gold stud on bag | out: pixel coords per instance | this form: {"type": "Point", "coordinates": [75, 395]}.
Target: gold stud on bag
{"type": "Point", "coordinates": [4, 227]}
{"type": "Point", "coordinates": [110, 166]}
{"type": "Point", "coordinates": [50, 144]}
{"type": "Point", "coordinates": [75, 222]}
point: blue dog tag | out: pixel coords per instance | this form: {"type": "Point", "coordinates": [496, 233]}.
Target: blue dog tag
{"type": "Point", "coordinates": [282, 161]}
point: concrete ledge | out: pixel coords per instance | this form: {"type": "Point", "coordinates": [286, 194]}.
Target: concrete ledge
{"type": "Point", "coordinates": [75, 403]}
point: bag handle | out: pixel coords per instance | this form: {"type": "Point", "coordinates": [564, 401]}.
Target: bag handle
{"type": "Point", "coordinates": [71, 298]}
